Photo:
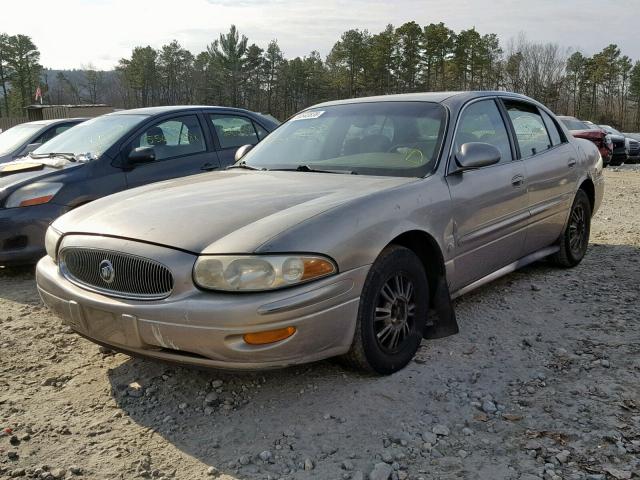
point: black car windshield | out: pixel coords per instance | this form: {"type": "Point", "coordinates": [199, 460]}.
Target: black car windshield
{"type": "Point", "coordinates": [379, 138]}
{"type": "Point", "coordinates": [90, 139]}
{"type": "Point", "coordinates": [611, 130]}
{"type": "Point", "coordinates": [573, 124]}
{"type": "Point", "coordinates": [16, 136]}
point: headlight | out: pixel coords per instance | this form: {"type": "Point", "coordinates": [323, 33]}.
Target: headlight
{"type": "Point", "coordinates": [254, 273]}
{"type": "Point", "coordinates": [608, 141]}
{"type": "Point", "coordinates": [33, 194]}
{"type": "Point", "coordinates": [51, 241]}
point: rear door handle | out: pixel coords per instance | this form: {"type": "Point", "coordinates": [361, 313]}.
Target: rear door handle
{"type": "Point", "coordinates": [207, 167]}
{"type": "Point", "coordinates": [517, 181]}
{"type": "Point", "coordinates": [571, 163]}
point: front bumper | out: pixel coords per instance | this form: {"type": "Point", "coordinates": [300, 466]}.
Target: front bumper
{"type": "Point", "coordinates": [206, 328]}
{"type": "Point", "coordinates": [619, 155]}
{"type": "Point", "coordinates": [22, 232]}
{"type": "Point", "coordinates": [633, 158]}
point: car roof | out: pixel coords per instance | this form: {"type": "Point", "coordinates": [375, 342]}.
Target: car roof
{"type": "Point", "coordinates": [175, 108]}
{"type": "Point", "coordinates": [53, 121]}
{"type": "Point", "coordinates": [435, 97]}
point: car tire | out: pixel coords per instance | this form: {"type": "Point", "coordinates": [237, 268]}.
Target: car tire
{"type": "Point", "coordinates": [392, 314]}
{"type": "Point", "coordinates": [575, 237]}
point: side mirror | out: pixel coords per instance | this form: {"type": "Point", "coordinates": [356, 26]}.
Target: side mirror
{"type": "Point", "coordinates": [474, 155]}
{"type": "Point", "coordinates": [142, 155]}
{"type": "Point", "coordinates": [242, 151]}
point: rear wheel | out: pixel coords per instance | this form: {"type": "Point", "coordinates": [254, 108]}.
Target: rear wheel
{"type": "Point", "coordinates": [575, 238]}
{"type": "Point", "coordinates": [392, 313]}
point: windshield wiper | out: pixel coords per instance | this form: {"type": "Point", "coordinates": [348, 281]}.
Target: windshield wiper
{"type": "Point", "coordinates": [67, 156]}
{"type": "Point", "coordinates": [307, 168]}
{"type": "Point", "coordinates": [245, 166]}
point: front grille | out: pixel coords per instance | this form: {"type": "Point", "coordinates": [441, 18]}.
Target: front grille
{"type": "Point", "coordinates": [634, 148]}
{"type": "Point", "coordinates": [116, 274]}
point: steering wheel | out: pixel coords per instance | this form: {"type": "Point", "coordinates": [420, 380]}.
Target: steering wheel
{"type": "Point", "coordinates": [412, 154]}
{"type": "Point", "coordinates": [396, 147]}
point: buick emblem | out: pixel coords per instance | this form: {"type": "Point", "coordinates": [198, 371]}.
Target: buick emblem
{"type": "Point", "coordinates": [107, 272]}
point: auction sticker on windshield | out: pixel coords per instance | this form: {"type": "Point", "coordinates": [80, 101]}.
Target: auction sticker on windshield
{"type": "Point", "coordinates": [308, 115]}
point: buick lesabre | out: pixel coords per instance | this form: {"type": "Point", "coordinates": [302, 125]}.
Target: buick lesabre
{"type": "Point", "coordinates": [346, 232]}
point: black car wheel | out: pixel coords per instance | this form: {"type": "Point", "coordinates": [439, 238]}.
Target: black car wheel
{"type": "Point", "coordinates": [575, 238]}
{"type": "Point", "coordinates": [392, 314]}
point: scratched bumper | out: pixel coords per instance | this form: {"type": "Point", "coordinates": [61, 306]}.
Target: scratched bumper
{"type": "Point", "coordinates": [206, 328]}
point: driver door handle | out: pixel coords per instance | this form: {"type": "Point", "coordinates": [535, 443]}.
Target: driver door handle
{"type": "Point", "coordinates": [517, 181]}
{"type": "Point", "coordinates": [571, 163]}
{"type": "Point", "coordinates": [207, 167]}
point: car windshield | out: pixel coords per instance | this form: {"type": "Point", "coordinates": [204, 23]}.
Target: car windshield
{"type": "Point", "coordinates": [16, 136]}
{"type": "Point", "coordinates": [379, 138]}
{"type": "Point", "coordinates": [611, 130]}
{"type": "Point", "coordinates": [91, 138]}
{"type": "Point", "coordinates": [573, 124]}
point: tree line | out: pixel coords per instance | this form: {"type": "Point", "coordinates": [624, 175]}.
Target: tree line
{"type": "Point", "coordinates": [19, 73]}
{"type": "Point", "coordinates": [604, 87]}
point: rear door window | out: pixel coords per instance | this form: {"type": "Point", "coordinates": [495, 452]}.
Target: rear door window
{"type": "Point", "coordinates": [234, 131]}
{"type": "Point", "coordinates": [531, 132]}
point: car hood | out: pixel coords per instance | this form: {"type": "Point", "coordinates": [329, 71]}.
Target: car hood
{"type": "Point", "coordinates": [240, 208]}
{"type": "Point", "coordinates": [617, 139]}
{"type": "Point", "coordinates": [590, 134]}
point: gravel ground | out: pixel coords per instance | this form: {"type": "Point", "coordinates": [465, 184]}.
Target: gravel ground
{"type": "Point", "coordinates": [543, 382]}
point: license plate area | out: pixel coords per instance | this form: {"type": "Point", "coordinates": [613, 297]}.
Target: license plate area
{"type": "Point", "coordinates": [112, 328]}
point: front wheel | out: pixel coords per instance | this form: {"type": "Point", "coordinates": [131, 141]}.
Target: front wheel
{"type": "Point", "coordinates": [392, 313]}
{"type": "Point", "coordinates": [575, 238]}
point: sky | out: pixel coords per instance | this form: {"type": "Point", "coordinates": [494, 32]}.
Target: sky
{"type": "Point", "coordinates": [75, 33]}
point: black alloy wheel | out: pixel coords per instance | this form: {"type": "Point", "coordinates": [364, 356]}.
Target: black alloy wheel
{"type": "Point", "coordinates": [392, 314]}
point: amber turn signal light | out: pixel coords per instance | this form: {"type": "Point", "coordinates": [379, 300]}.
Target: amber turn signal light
{"type": "Point", "coordinates": [270, 336]}
{"type": "Point", "coordinates": [35, 201]}
{"type": "Point", "coordinates": [317, 267]}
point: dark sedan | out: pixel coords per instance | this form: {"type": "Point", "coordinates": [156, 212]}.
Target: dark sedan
{"type": "Point", "coordinates": [18, 141]}
{"type": "Point", "coordinates": [109, 154]}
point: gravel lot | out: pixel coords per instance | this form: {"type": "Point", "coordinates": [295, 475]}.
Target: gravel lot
{"type": "Point", "coordinates": [543, 382]}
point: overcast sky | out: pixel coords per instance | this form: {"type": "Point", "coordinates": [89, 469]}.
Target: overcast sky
{"type": "Point", "coordinates": [72, 33]}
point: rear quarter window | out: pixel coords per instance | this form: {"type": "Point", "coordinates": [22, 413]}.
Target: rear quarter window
{"type": "Point", "coordinates": [552, 128]}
